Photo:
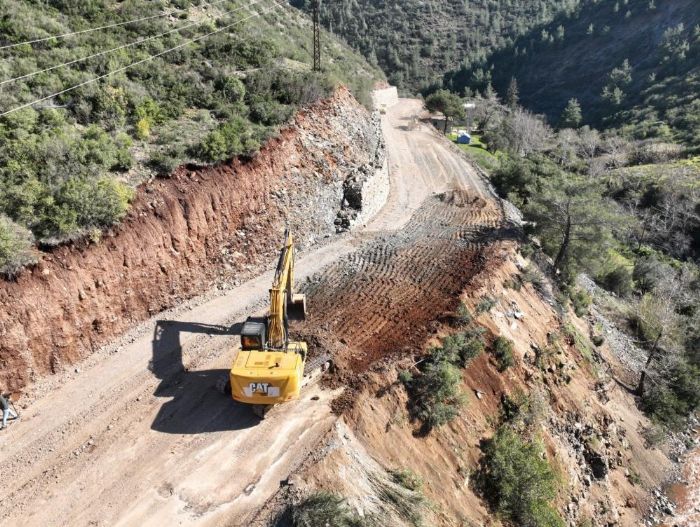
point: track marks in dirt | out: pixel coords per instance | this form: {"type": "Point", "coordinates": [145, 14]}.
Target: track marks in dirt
{"type": "Point", "coordinates": [379, 301]}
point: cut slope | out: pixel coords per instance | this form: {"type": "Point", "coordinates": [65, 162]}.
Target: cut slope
{"type": "Point", "coordinates": [200, 227]}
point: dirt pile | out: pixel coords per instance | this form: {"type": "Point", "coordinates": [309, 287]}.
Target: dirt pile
{"type": "Point", "coordinates": [202, 226]}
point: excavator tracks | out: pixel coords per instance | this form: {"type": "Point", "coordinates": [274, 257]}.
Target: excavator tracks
{"type": "Point", "coordinates": [381, 298]}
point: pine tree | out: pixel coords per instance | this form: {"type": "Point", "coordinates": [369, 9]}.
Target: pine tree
{"type": "Point", "coordinates": [571, 117]}
{"type": "Point", "coordinates": [512, 96]}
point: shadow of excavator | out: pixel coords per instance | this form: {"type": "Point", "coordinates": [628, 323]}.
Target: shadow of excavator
{"type": "Point", "coordinates": [196, 406]}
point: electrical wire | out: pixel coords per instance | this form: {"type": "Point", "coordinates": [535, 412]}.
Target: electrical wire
{"type": "Point", "coordinates": [142, 61]}
{"type": "Point", "coordinates": [84, 31]}
{"type": "Point", "coordinates": [124, 46]}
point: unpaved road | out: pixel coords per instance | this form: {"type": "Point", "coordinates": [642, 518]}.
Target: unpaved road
{"type": "Point", "coordinates": [139, 436]}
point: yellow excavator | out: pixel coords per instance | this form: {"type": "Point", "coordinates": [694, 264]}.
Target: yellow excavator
{"type": "Point", "coordinates": [269, 369]}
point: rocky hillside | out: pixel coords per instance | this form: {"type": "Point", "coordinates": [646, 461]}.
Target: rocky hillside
{"type": "Point", "coordinates": [316, 177]}
{"type": "Point", "coordinates": [416, 42]}
{"type": "Point", "coordinates": [184, 81]}
{"type": "Point", "coordinates": [556, 398]}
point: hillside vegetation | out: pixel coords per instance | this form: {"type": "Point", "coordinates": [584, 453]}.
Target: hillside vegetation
{"type": "Point", "coordinates": [68, 165]}
{"type": "Point", "coordinates": [631, 64]}
{"type": "Point", "coordinates": [416, 42]}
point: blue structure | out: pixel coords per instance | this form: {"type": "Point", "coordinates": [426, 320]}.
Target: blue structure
{"type": "Point", "coordinates": [464, 139]}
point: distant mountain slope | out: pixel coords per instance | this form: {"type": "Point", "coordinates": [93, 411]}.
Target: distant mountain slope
{"type": "Point", "coordinates": [417, 41]}
{"type": "Point", "coordinates": [582, 55]}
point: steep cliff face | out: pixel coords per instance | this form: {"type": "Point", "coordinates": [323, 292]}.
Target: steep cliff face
{"type": "Point", "coordinates": [184, 234]}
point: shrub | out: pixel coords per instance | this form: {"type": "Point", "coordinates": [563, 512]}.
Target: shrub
{"type": "Point", "coordinates": [15, 247]}
{"type": "Point", "coordinates": [580, 300]}
{"type": "Point", "coordinates": [269, 112]}
{"type": "Point", "coordinates": [503, 351]}
{"type": "Point", "coordinates": [236, 137]}
{"type": "Point", "coordinates": [405, 377]}
{"type": "Point", "coordinates": [232, 88]}
{"type": "Point", "coordinates": [471, 350]}
{"type": "Point", "coordinates": [320, 508]}
{"type": "Point", "coordinates": [671, 402]}
{"type": "Point", "coordinates": [464, 317]}
{"type": "Point", "coordinates": [485, 305]}
{"type": "Point", "coordinates": [518, 480]}
{"type": "Point", "coordinates": [649, 272]}
{"type": "Point", "coordinates": [619, 281]}
{"type": "Point", "coordinates": [99, 202]}
{"type": "Point", "coordinates": [435, 394]}
{"type": "Point", "coordinates": [407, 479]}
{"type": "Point", "coordinates": [459, 348]}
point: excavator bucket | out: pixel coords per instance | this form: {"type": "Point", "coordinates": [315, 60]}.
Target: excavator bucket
{"type": "Point", "coordinates": [296, 309]}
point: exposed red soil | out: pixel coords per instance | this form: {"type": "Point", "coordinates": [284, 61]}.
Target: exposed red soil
{"type": "Point", "coordinates": [380, 302]}
{"type": "Point", "coordinates": [181, 236]}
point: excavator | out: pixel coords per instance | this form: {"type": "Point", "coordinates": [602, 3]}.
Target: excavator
{"type": "Point", "coordinates": [269, 369]}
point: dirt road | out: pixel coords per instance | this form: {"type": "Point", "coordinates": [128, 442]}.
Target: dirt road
{"type": "Point", "coordinates": [137, 435]}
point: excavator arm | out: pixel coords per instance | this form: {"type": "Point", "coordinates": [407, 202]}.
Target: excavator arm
{"type": "Point", "coordinates": [284, 304]}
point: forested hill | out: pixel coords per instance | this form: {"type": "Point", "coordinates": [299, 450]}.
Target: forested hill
{"type": "Point", "coordinates": [630, 63]}
{"type": "Point", "coordinates": [417, 41]}
{"type": "Point", "coordinates": [183, 81]}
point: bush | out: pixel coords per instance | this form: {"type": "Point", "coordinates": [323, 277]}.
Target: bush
{"type": "Point", "coordinates": [518, 480]}
{"type": "Point", "coordinates": [503, 351]}
{"type": "Point", "coordinates": [435, 394]}
{"type": "Point", "coordinates": [671, 402]}
{"type": "Point", "coordinates": [236, 137]}
{"type": "Point", "coordinates": [580, 300]}
{"type": "Point", "coordinates": [319, 509]}
{"type": "Point", "coordinates": [270, 113]}
{"type": "Point", "coordinates": [619, 281]}
{"type": "Point", "coordinates": [485, 305]}
{"type": "Point", "coordinates": [460, 348]}
{"type": "Point", "coordinates": [232, 89]}
{"type": "Point", "coordinates": [471, 350]}
{"type": "Point", "coordinates": [464, 317]}
{"type": "Point", "coordinates": [16, 244]}
{"type": "Point", "coordinates": [407, 479]}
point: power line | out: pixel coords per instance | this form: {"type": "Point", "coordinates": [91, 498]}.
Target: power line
{"type": "Point", "coordinates": [84, 31]}
{"type": "Point", "coordinates": [125, 46]}
{"type": "Point", "coordinates": [123, 68]}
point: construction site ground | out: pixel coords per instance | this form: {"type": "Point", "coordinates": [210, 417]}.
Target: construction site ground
{"type": "Point", "coordinates": [137, 434]}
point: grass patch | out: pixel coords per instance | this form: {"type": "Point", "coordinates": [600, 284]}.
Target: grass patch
{"type": "Point", "coordinates": [406, 502]}
{"type": "Point", "coordinates": [322, 508]}
{"type": "Point", "coordinates": [478, 152]}
{"type": "Point", "coordinates": [407, 479]}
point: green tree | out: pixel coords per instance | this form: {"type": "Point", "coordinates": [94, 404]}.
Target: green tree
{"type": "Point", "coordinates": [513, 94]}
{"type": "Point", "coordinates": [572, 219]}
{"type": "Point", "coordinates": [571, 117]}
{"type": "Point", "coordinates": [447, 103]}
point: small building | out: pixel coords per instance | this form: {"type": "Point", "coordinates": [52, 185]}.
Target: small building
{"type": "Point", "coordinates": [464, 139]}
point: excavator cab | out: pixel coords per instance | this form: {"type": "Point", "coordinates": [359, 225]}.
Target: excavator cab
{"type": "Point", "coordinates": [269, 369]}
{"type": "Point", "coordinates": [253, 335]}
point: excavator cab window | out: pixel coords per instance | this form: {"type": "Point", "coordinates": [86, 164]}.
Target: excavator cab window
{"type": "Point", "coordinates": [253, 336]}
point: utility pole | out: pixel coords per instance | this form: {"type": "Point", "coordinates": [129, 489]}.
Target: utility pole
{"type": "Point", "coordinates": [316, 4]}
